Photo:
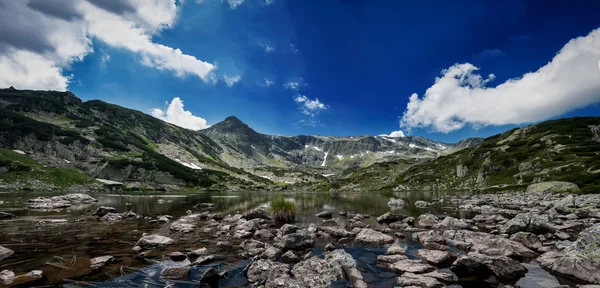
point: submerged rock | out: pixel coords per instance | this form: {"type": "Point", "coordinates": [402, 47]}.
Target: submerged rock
{"type": "Point", "coordinates": [175, 273]}
{"type": "Point", "coordinates": [324, 214]}
{"type": "Point", "coordinates": [289, 257]}
{"type": "Point", "coordinates": [103, 210]}
{"type": "Point", "coordinates": [451, 223]}
{"type": "Point", "coordinates": [389, 217]}
{"type": "Point", "coordinates": [372, 237]}
{"type": "Point", "coordinates": [154, 240]}
{"type": "Point", "coordinates": [58, 202]}
{"type": "Point", "coordinates": [422, 204]}
{"type": "Point", "coordinates": [480, 265]}
{"type": "Point", "coordinates": [5, 252]}
{"type": "Point", "coordinates": [6, 215]}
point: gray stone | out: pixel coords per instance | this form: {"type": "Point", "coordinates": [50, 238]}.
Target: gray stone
{"type": "Point", "coordinates": [553, 187]}
{"type": "Point", "coordinates": [202, 260]}
{"type": "Point", "coordinates": [7, 277]}
{"type": "Point", "coordinates": [289, 257]}
{"type": "Point", "coordinates": [427, 220]}
{"type": "Point", "coordinates": [6, 215]}
{"type": "Point", "coordinates": [389, 217]}
{"type": "Point", "coordinates": [5, 252]}
{"type": "Point", "coordinates": [111, 217]}
{"type": "Point", "coordinates": [180, 226]}
{"type": "Point", "coordinates": [271, 253]}
{"type": "Point", "coordinates": [99, 262]}
{"type": "Point", "coordinates": [391, 258]}
{"type": "Point", "coordinates": [324, 214]}
{"type": "Point", "coordinates": [530, 240]}
{"type": "Point", "coordinates": [411, 266]}
{"type": "Point", "coordinates": [259, 212]}
{"type": "Point", "coordinates": [436, 257]}
{"type": "Point", "coordinates": [175, 273]}
{"type": "Point", "coordinates": [395, 249]}
{"type": "Point", "coordinates": [154, 240]}
{"type": "Point", "coordinates": [410, 279]}
{"type": "Point", "coordinates": [288, 229]}
{"type": "Point", "coordinates": [103, 210]}
{"type": "Point", "coordinates": [252, 247]}
{"type": "Point", "coordinates": [372, 237]}
{"type": "Point", "coordinates": [396, 202]}
{"type": "Point", "coordinates": [451, 223]}
{"type": "Point", "coordinates": [296, 241]}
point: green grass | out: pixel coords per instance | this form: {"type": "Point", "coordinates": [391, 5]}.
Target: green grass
{"type": "Point", "coordinates": [22, 168]}
{"type": "Point", "coordinates": [282, 210]}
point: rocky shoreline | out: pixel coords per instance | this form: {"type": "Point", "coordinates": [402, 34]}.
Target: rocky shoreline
{"type": "Point", "coordinates": [560, 232]}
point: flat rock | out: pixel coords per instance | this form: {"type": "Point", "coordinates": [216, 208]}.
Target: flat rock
{"type": "Point", "coordinates": [395, 249]}
{"type": "Point", "coordinates": [6, 215]}
{"type": "Point", "coordinates": [389, 217]}
{"type": "Point", "coordinates": [411, 266]}
{"type": "Point", "coordinates": [372, 237]}
{"type": "Point", "coordinates": [528, 239]}
{"type": "Point", "coordinates": [324, 214]}
{"type": "Point", "coordinates": [103, 210]}
{"type": "Point", "coordinates": [436, 257]}
{"type": "Point", "coordinates": [175, 273]}
{"type": "Point", "coordinates": [410, 279]}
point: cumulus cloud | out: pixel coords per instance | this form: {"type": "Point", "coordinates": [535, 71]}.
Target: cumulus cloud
{"type": "Point", "coordinates": [40, 39]}
{"type": "Point", "coordinates": [394, 134]}
{"type": "Point", "coordinates": [234, 3]}
{"type": "Point", "coordinates": [308, 106]}
{"type": "Point", "coordinates": [269, 82]}
{"type": "Point", "coordinates": [104, 59]}
{"type": "Point", "coordinates": [461, 96]}
{"type": "Point", "coordinates": [175, 114]}
{"type": "Point", "coordinates": [230, 80]}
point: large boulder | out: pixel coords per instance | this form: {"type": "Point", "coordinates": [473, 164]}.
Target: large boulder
{"type": "Point", "coordinates": [553, 187]}
{"type": "Point", "coordinates": [154, 240]}
{"type": "Point", "coordinates": [530, 240]}
{"type": "Point", "coordinates": [372, 237]}
{"type": "Point", "coordinates": [5, 252]}
{"type": "Point", "coordinates": [427, 220]}
{"type": "Point", "coordinates": [483, 266]}
{"type": "Point", "coordinates": [580, 261]}
{"type": "Point", "coordinates": [529, 222]}
{"type": "Point", "coordinates": [252, 248]}
{"type": "Point", "coordinates": [259, 212]}
{"type": "Point", "coordinates": [296, 241]}
{"type": "Point", "coordinates": [451, 223]}
{"type": "Point", "coordinates": [103, 210]}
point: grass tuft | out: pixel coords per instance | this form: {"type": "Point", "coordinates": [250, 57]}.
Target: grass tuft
{"type": "Point", "coordinates": [283, 210]}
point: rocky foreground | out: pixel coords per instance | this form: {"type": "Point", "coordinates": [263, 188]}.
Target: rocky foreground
{"type": "Point", "coordinates": [560, 232]}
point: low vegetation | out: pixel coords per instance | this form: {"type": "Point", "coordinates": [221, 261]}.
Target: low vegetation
{"type": "Point", "coordinates": [283, 210]}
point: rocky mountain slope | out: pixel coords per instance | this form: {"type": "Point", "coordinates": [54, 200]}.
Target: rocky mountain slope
{"type": "Point", "coordinates": [52, 132]}
{"type": "Point", "coordinates": [564, 149]}
{"type": "Point", "coordinates": [245, 148]}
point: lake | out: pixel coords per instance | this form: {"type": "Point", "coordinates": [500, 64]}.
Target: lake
{"type": "Point", "coordinates": [43, 240]}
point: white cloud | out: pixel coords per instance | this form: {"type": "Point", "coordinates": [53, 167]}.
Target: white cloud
{"type": "Point", "coordinates": [310, 107]}
{"type": "Point", "coordinates": [230, 80]}
{"type": "Point", "coordinates": [461, 96]}
{"type": "Point", "coordinates": [269, 82]}
{"type": "Point", "coordinates": [291, 85]}
{"type": "Point", "coordinates": [234, 3]}
{"type": "Point", "coordinates": [269, 48]}
{"type": "Point", "coordinates": [269, 2]}
{"type": "Point", "coordinates": [395, 134]}
{"type": "Point", "coordinates": [40, 39]}
{"type": "Point", "coordinates": [175, 114]}
{"type": "Point", "coordinates": [104, 58]}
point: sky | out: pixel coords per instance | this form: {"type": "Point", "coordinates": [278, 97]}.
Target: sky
{"type": "Point", "coordinates": [445, 70]}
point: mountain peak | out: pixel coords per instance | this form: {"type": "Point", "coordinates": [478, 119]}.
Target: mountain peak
{"type": "Point", "coordinates": [233, 119]}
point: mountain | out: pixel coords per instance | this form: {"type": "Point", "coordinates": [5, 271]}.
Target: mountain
{"type": "Point", "coordinates": [245, 148]}
{"type": "Point", "coordinates": [57, 133]}
{"type": "Point", "coordinates": [564, 149]}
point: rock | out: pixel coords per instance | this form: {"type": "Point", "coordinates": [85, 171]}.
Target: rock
{"type": "Point", "coordinates": [349, 267]}
{"type": "Point", "coordinates": [6, 215]}
{"type": "Point", "coordinates": [436, 257]}
{"type": "Point", "coordinates": [553, 187]}
{"type": "Point", "coordinates": [372, 237]}
{"type": "Point", "coordinates": [391, 259]}
{"type": "Point", "coordinates": [422, 204]}
{"type": "Point", "coordinates": [136, 248]}
{"type": "Point", "coordinates": [177, 256]}
{"type": "Point", "coordinates": [410, 279]}
{"type": "Point", "coordinates": [271, 253]}
{"type": "Point", "coordinates": [252, 247]}
{"type": "Point", "coordinates": [264, 234]}
{"type": "Point", "coordinates": [163, 219]}
{"type": "Point", "coordinates": [324, 214]}
{"type": "Point", "coordinates": [179, 226]}
{"type": "Point", "coordinates": [99, 262]}
{"type": "Point", "coordinates": [204, 206]}
{"type": "Point", "coordinates": [504, 268]}
{"type": "Point", "coordinates": [258, 213]}
{"type": "Point", "coordinates": [445, 276]}
{"type": "Point", "coordinates": [477, 241]}
{"type": "Point", "coordinates": [103, 210]}
{"type": "Point", "coordinates": [224, 245]}
{"type": "Point", "coordinates": [316, 272]}
{"type": "Point", "coordinates": [427, 220]}
{"type": "Point", "coordinates": [580, 261]}
{"type": "Point", "coordinates": [396, 202]}
{"type": "Point", "coordinates": [7, 277]}
{"type": "Point", "coordinates": [175, 273]}
{"type": "Point", "coordinates": [452, 224]}
{"type": "Point", "coordinates": [5, 252]}
{"type": "Point", "coordinates": [199, 252]}
{"type": "Point", "coordinates": [329, 247]}
{"type": "Point", "coordinates": [296, 241]}
{"type": "Point", "coordinates": [58, 202]}
{"type": "Point", "coordinates": [530, 240]}
{"type": "Point", "coordinates": [388, 217]}
{"type": "Point", "coordinates": [154, 240]}
{"type": "Point", "coordinates": [289, 257]}
{"type": "Point", "coordinates": [258, 271]}
{"type": "Point", "coordinates": [530, 222]}
{"type": "Point", "coordinates": [338, 232]}
{"type": "Point", "coordinates": [395, 249]}
{"type": "Point", "coordinates": [203, 260]}
{"type": "Point", "coordinates": [411, 266]}
{"type": "Point", "coordinates": [111, 217]}
{"type": "Point", "coordinates": [211, 277]}
{"type": "Point", "coordinates": [288, 229]}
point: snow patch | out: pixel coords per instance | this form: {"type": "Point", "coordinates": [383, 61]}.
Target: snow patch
{"type": "Point", "coordinates": [189, 165]}
{"type": "Point", "coordinates": [325, 159]}
{"type": "Point", "coordinates": [339, 157]}
{"type": "Point", "coordinates": [328, 175]}
{"type": "Point", "coordinates": [108, 182]}
{"type": "Point", "coordinates": [19, 152]}
{"type": "Point", "coordinates": [67, 161]}
{"type": "Point", "coordinates": [252, 146]}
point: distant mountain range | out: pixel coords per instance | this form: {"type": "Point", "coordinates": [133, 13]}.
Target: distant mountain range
{"type": "Point", "coordinates": [53, 140]}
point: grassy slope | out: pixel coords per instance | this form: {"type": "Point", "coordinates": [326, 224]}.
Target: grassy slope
{"type": "Point", "coordinates": [563, 149]}
{"type": "Point", "coordinates": [126, 134]}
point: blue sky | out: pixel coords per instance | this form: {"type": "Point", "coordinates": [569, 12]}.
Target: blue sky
{"type": "Point", "coordinates": [331, 67]}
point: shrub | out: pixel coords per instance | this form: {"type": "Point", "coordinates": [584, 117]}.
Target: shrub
{"type": "Point", "coordinates": [283, 210]}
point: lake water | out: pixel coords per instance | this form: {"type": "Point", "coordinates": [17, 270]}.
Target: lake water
{"type": "Point", "coordinates": [47, 246]}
